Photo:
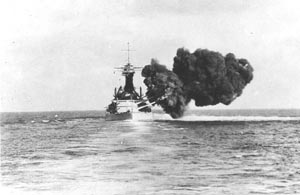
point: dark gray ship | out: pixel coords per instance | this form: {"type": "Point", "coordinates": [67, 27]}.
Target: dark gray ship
{"type": "Point", "coordinates": [127, 103]}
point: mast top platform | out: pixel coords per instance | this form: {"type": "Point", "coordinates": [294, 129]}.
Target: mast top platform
{"type": "Point", "coordinates": [128, 68]}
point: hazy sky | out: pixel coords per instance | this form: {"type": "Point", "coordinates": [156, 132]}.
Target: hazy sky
{"type": "Point", "coordinates": [59, 55]}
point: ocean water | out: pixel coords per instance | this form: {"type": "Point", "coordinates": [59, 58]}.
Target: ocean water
{"type": "Point", "coordinates": [205, 152]}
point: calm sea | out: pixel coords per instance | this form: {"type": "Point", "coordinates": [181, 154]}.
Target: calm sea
{"type": "Point", "coordinates": [206, 152]}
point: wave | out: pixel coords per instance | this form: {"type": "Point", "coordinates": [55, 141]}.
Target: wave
{"type": "Point", "coordinates": [229, 118]}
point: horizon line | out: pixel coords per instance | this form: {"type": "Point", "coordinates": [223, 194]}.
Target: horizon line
{"type": "Point", "coordinates": [154, 109]}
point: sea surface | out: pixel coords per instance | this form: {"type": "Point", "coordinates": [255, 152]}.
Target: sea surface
{"type": "Point", "coordinates": [205, 152]}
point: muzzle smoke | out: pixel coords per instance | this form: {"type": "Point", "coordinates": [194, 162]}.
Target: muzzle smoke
{"type": "Point", "coordinates": [204, 76]}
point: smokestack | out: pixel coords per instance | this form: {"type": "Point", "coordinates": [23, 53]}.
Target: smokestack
{"type": "Point", "coordinates": [204, 76]}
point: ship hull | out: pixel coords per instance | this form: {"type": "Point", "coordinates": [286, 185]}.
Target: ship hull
{"type": "Point", "coordinates": [136, 116]}
{"type": "Point", "coordinates": [118, 116]}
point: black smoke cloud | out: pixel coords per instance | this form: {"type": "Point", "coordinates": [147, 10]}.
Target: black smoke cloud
{"type": "Point", "coordinates": [165, 88]}
{"type": "Point", "coordinates": [204, 76]}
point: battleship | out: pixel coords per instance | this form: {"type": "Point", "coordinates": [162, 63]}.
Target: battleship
{"type": "Point", "coordinates": [127, 104]}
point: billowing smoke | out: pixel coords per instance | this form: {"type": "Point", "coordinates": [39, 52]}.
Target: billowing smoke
{"type": "Point", "coordinates": [205, 76]}
{"type": "Point", "coordinates": [165, 88]}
